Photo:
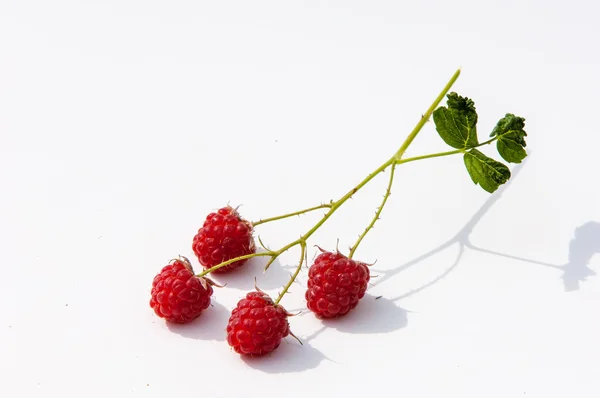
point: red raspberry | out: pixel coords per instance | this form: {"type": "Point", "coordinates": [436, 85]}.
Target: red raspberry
{"type": "Point", "coordinates": [223, 236]}
{"type": "Point", "coordinates": [177, 294]}
{"type": "Point", "coordinates": [257, 326]}
{"type": "Point", "coordinates": [335, 284]}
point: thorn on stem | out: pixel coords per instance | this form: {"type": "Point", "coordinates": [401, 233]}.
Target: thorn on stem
{"type": "Point", "coordinates": [262, 244]}
{"type": "Point", "coordinates": [207, 281]}
{"type": "Point", "coordinates": [294, 336]}
{"type": "Point", "coordinates": [319, 247]}
{"type": "Point", "coordinates": [184, 259]}
{"type": "Point", "coordinates": [273, 257]}
{"type": "Point", "coordinates": [256, 287]}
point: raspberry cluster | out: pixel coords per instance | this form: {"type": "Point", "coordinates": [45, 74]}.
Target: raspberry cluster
{"type": "Point", "coordinates": [257, 324]}
{"type": "Point", "coordinates": [336, 282]}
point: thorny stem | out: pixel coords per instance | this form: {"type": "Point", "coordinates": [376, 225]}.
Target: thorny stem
{"type": "Point", "coordinates": [293, 278]}
{"type": "Point", "coordinates": [341, 201]}
{"type": "Point", "coordinates": [493, 139]}
{"type": "Point", "coordinates": [389, 187]}
{"type": "Point", "coordinates": [426, 117]}
{"type": "Point", "coordinates": [391, 180]}
{"type": "Point", "coordinates": [432, 155]}
{"type": "Point", "coordinates": [334, 205]}
{"type": "Point", "coordinates": [296, 213]}
{"type": "Point", "coordinates": [377, 213]}
{"type": "Point", "coordinates": [233, 260]}
{"type": "Point", "coordinates": [448, 153]}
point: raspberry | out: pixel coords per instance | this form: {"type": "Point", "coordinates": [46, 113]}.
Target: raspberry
{"type": "Point", "coordinates": [177, 294]}
{"type": "Point", "coordinates": [257, 326]}
{"type": "Point", "coordinates": [223, 236]}
{"type": "Point", "coordinates": [335, 284]}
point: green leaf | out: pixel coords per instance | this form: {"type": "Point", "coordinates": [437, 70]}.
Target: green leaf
{"type": "Point", "coordinates": [485, 171]}
{"type": "Point", "coordinates": [511, 138]}
{"type": "Point", "coordinates": [457, 123]}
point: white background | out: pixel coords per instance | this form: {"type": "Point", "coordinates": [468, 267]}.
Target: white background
{"type": "Point", "coordinates": [124, 123]}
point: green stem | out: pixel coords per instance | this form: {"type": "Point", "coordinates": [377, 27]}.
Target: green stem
{"type": "Point", "coordinates": [447, 153]}
{"type": "Point", "coordinates": [377, 213]}
{"type": "Point", "coordinates": [233, 260]}
{"type": "Point", "coordinates": [492, 139]}
{"type": "Point", "coordinates": [343, 199]}
{"type": "Point", "coordinates": [296, 213]}
{"type": "Point", "coordinates": [295, 275]}
{"type": "Point", "coordinates": [334, 205]}
{"type": "Point", "coordinates": [426, 116]}
{"type": "Point", "coordinates": [432, 155]}
{"type": "Point", "coordinates": [389, 187]}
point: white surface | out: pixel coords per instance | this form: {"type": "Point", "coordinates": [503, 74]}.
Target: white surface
{"type": "Point", "coordinates": [123, 123]}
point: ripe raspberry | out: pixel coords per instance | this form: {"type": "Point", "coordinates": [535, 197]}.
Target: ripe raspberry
{"type": "Point", "coordinates": [335, 284]}
{"type": "Point", "coordinates": [177, 294]}
{"type": "Point", "coordinates": [257, 326]}
{"type": "Point", "coordinates": [223, 236]}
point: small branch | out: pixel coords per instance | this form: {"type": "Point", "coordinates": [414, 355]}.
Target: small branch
{"type": "Point", "coordinates": [296, 213]}
{"type": "Point", "coordinates": [433, 155]}
{"type": "Point", "coordinates": [295, 275]}
{"type": "Point", "coordinates": [233, 260]}
{"type": "Point", "coordinates": [377, 213]}
{"type": "Point", "coordinates": [426, 116]}
{"type": "Point", "coordinates": [332, 206]}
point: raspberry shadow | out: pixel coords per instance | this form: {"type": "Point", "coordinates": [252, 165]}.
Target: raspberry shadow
{"type": "Point", "coordinates": [372, 315]}
{"type": "Point", "coordinates": [289, 357]}
{"type": "Point", "coordinates": [208, 326]}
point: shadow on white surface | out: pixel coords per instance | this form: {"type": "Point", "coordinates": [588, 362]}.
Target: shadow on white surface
{"type": "Point", "coordinates": [210, 325]}
{"type": "Point", "coordinates": [461, 239]}
{"type": "Point", "coordinates": [584, 245]}
{"type": "Point", "coordinates": [290, 357]}
{"type": "Point", "coordinates": [275, 277]}
{"type": "Point", "coordinates": [372, 315]}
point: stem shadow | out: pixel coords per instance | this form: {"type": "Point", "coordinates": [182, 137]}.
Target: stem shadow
{"type": "Point", "coordinates": [461, 239]}
{"type": "Point", "coordinates": [583, 246]}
